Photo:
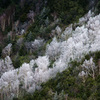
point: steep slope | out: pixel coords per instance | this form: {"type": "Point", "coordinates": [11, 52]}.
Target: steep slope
{"type": "Point", "coordinates": [82, 41]}
{"type": "Point", "coordinates": [49, 54]}
{"type": "Point", "coordinates": [71, 84]}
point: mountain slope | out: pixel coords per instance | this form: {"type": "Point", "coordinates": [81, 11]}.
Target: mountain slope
{"type": "Point", "coordinates": [50, 48]}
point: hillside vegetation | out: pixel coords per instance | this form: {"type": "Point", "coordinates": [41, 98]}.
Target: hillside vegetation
{"type": "Point", "coordinates": [49, 49]}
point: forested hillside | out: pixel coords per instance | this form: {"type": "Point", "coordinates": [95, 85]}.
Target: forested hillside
{"type": "Point", "coordinates": [49, 49]}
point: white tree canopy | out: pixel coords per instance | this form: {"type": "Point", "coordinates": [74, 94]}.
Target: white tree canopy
{"type": "Point", "coordinates": [29, 76]}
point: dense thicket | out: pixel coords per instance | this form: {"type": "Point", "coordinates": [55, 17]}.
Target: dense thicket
{"type": "Point", "coordinates": [70, 85]}
{"type": "Point", "coordinates": [68, 10]}
{"type": "Point", "coordinates": [53, 51]}
{"type": "Point", "coordinates": [5, 3]}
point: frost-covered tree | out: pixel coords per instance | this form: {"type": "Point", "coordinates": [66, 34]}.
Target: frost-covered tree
{"type": "Point", "coordinates": [58, 31]}
{"type": "Point", "coordinates": [7, 50]}
{"type": "Point", "coordinates": [47, 21]}
{"type": "Point", "coordinates": [34, 45]}
{"type": "Point", "coordinates": [86, 17]}
{"type": "Point", "coordinates": [5, 65]}
{"type": "Point", "coordinates": [55, 97]}
{"type": "Point", "coordinates": [9, 84]}
{"type": "Point", "coordinates": [80, 42]}
{"type": "Point", "coordinates": [53, 49]}
{"type": "Point", "coordinates": [62, 95]}
{"type": "Point", "coordinates": [42, 62]}
{"type": "Point", "coordinates": [67, 32]}
{"type": "Point", "coordinates": [25, 74]}
{"type": "Point", "coordinates": [31, 15]}
{"type": "Point", "coordinates": [89, 68]}
{"type": "Point", "coordinates": [37, 44]}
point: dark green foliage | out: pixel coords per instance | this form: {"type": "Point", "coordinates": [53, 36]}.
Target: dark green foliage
{"type": "Point", "coordinates": [7, 40]}
{"type": "Point", "coordinates": [72, 85]}
{"type": "Point", "coordinates": [31, 36]}
{"type": "Point", "coordinates": [23, 17]}
{"type": "Point", "coordinates": [22, 51]}
{"type": "Point", "coordinates": [15, 99]}
{"type": "Point", "coordinates": [98, 7]}
{"type": "Point", "coordinates": [68, 10]}
{"type": "Point", "coordinates": [96, 57]}
{"type": "Point", "coordinates": [39, 30]}
{"type": "Point", "coordinates": [19, 60]}
{"type": "Point", "coordinates": [4, 3]}
{"type": "Point", "coordinates": [51, 64]}
{"type": "Point", "coordinates": [0, 50]}
{"type": "Point", "coordinates": [16, 62]}
{"type": "Point", "coordinates": [15, 48]}
{"type": "Point", "coordinates": [8, 29]}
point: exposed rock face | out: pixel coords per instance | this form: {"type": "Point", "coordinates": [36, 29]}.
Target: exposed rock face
{"type": "Point", "coordinates": [7, 50]}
